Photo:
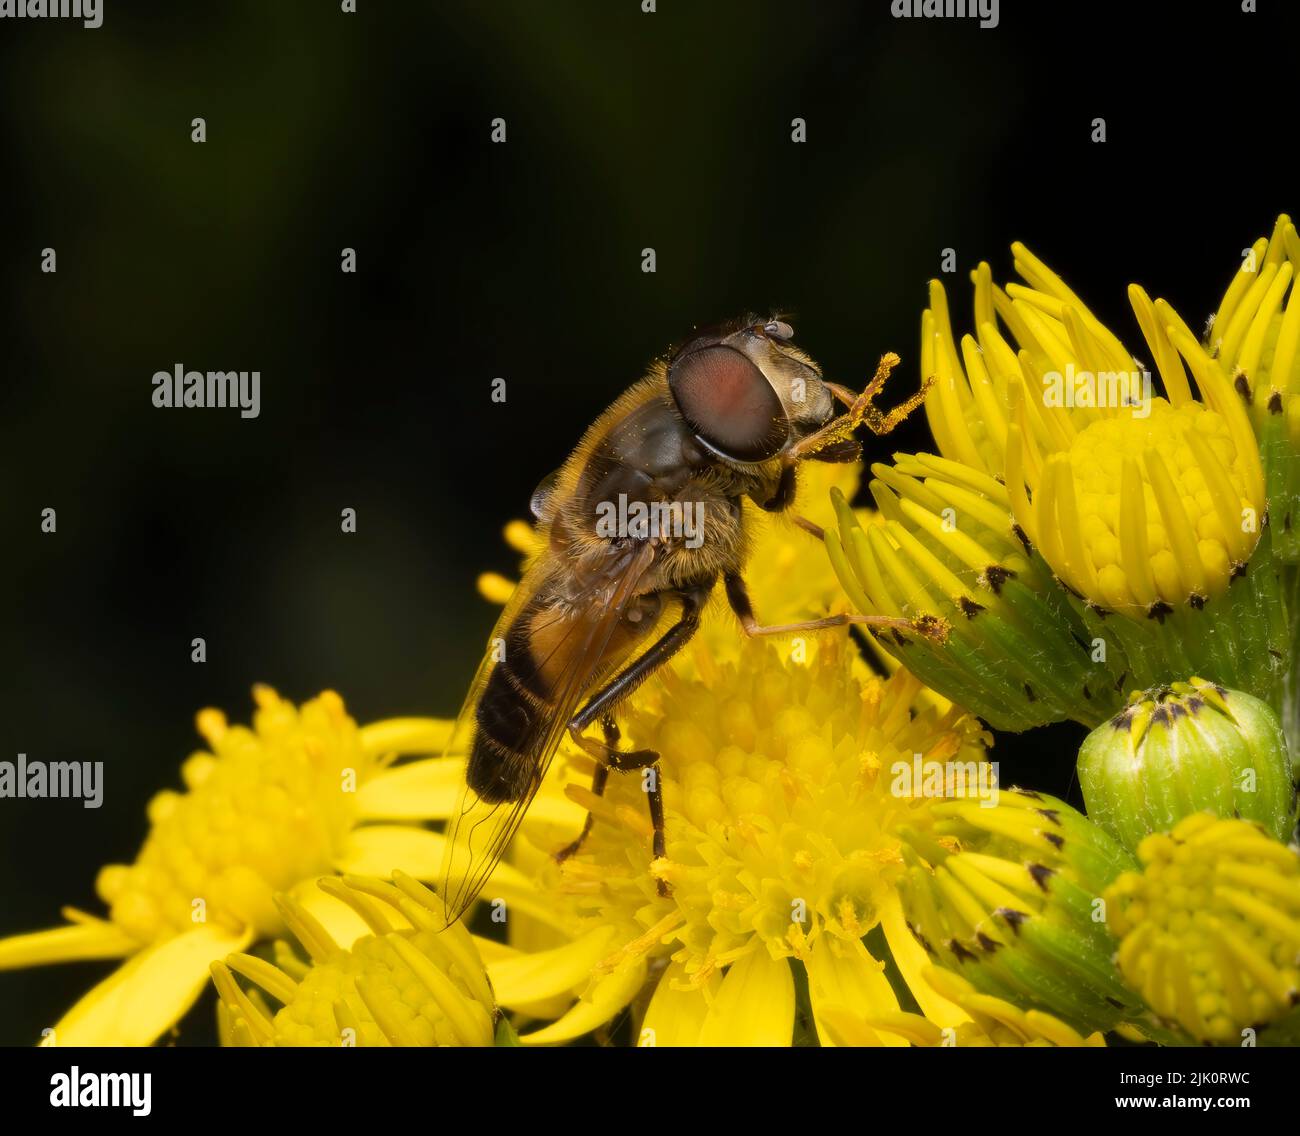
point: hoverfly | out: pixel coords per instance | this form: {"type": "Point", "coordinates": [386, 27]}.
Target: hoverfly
{"type": "Point", "coordinates": [727, 416]}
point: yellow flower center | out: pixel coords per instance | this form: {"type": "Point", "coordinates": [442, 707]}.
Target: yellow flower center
{"type": "Point", "coordinates": [266, 808]}
{"type": "Point", "coordinates": [1143, 514]}
{"type": "Point", "coordinates": [780, 783]}
{"type": "Point", "coordinates": [1211, 926]}
{"type": "Point", "coordinates": [1138, 504]}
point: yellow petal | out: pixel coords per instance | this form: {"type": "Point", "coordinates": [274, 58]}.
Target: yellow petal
{"type": "Point", "coordinates": [842, 1028]}
{"type": "Point", "coordinates": [342, 922]}
{"type": "Point", "coordinates": [557, 809]}
{"type": "Point", "coordinates": [754, 1006]}
{"type": "Point", "coordinates": [523, 978]}
{"type": "Point", "coordinates": [911, 1027]}
{"type": "Point", "coordinates": [495, 588]}
{"type": "Point", "coordinates": [844, 975]}
{"type": "Point", "coordinates": [607, 997]}
{"type": "Point", "coordinates": [406, 735]}
{"type": "Point", "coordinates": [912, 960]}
{"type": "Point", "coordinates": [415, 791]}
{"type": "Point", "coordinates": [378, 849]}
{"type": "Point", "coordinates": [147, 995]}
{"type": "Point", "coordinates": [675, 1017]}
{"type": "Point", "coordinates": [548, 1009]}
{"type": "Point", "coordinates": [99, 939]}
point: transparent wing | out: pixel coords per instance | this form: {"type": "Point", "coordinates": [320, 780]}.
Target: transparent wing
{"type": "Point", "coordinates": [571, 644]}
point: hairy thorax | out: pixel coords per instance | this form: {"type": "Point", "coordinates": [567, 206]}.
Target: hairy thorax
{"type": "Point", "coordinates": [641, 477]}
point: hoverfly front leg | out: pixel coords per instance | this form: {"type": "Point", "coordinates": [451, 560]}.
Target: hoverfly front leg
{"type": "Point", "coordinates": [607, 754]}
{"type": "Point", "coordinates": [861, 412]}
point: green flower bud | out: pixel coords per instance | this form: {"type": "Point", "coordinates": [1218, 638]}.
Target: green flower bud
{"type": "Point", "coordinates": [1181, 749]}
{"type": "Point", "coordinates": [1009, 897]}
{"type": "Point", "coordinates": [1022, 646]}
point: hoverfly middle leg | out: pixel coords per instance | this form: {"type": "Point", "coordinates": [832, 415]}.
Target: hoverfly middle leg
{"type": "Point", "coordinates": [738, 598]}
{"type": "Point", "coordinates": [786, 490]}
{"type": "Point", "coordinates": [645, 761]}
{"type": "Point", "coordinates": [810, 527]}
{"type": "Point", "coordinates": [781, 500]}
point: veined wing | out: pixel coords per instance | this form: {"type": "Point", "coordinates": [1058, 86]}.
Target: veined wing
{"type": "Point", "coordinates": [547, 651]}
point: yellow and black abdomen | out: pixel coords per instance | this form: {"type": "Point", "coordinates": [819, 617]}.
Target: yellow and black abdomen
{"type": "Point", "coordinates": [513, 713]}
{"type": "Point", "coordinates": [553, 653]}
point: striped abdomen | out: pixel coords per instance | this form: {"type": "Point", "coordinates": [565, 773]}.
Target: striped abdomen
{"type": "Point", "coordinates": [554, 653]}
{"type": "Point", "coordinates": [513, 715]}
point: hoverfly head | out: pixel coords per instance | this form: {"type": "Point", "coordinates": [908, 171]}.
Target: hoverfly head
{"type": "Point", "coordinates": [747, 391]}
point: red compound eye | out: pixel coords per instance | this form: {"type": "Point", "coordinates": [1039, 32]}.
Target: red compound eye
{"type": "Point", "coordinates": [726, 400]}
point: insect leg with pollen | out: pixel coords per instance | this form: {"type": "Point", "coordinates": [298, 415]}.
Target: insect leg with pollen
{"type": "Point", "coordinates": [862, 412]}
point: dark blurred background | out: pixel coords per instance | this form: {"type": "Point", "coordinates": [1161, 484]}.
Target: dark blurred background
{"type": "Point", "coordinates": [476, 261]}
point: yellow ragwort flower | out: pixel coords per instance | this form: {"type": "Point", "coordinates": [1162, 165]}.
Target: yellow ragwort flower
{"type": "Point", "coordinates": [1210, 927]}
{"type": "Point", "coordinates": [942, 545]}
{"type": "Point", "coordinates": [410, 982]}
{"type": "Point", "coordinates": [264, 810]}
{"type": "Point", "coordinates": [1009, 901]}
{"type": "Point", "coordinates": [779, 770]}
{"type": "Point", "coordinates": [1138, 502]}
{"type": "Point", "coordinates": [776, 772]}
{"type": "Point", "coordinates": [1254, 336]}
{"type": "Point", "coordinates": [1140, 490]}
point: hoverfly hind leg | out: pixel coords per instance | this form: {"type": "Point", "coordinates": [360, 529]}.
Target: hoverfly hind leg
{"type": "Point", "coordinates": [646, 761]}
{"type": "Point", "coordinates": [599, 779]}
{"type": "Point", "coordinates": [607, 755]}
{"type": "Point", "coordinates": [659, 844]}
